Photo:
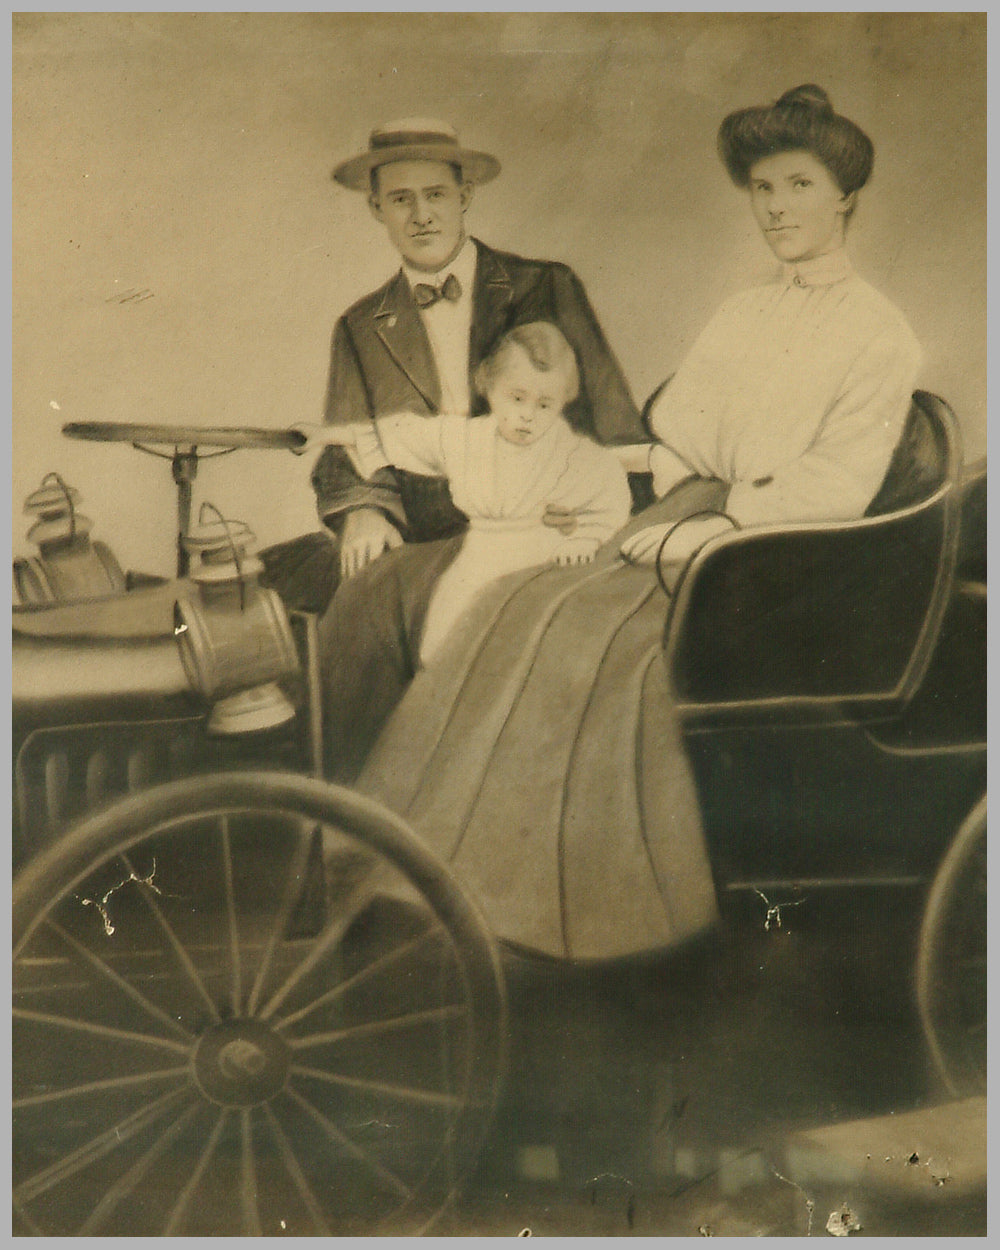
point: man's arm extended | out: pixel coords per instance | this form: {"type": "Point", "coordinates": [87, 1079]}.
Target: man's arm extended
{"type": "Point", "coordinates": [339, 487]}
{"type": "Point", "coordinates": [367, 515]}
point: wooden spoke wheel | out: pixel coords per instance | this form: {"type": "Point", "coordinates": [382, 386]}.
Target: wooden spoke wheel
{"type": "Point", "coordinates": [951, 961]}
{"type": "Point", "coordinates": [247, 1005]}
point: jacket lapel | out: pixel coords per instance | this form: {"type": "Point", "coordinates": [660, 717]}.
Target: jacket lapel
{"type": "Point", "coordinates": [492, 293]}
{"type": "Point", "coordinates": [398, 326]}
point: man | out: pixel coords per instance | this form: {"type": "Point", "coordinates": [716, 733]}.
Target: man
{"type": "Point", "coordinates": [414, 344]}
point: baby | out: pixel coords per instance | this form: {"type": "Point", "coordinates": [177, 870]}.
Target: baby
{"type": "Point", "coordinates": [505, 470]}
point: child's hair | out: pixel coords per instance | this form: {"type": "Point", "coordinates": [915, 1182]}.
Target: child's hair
{"type": "Point", "coordinates": [547, 349]}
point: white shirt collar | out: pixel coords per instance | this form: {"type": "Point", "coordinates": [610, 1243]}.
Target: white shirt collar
{"type": "Point", "coordinates": [463, 267]}
{"type": "Point", "coordinates": [821, 270]}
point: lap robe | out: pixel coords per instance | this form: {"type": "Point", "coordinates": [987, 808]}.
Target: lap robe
{"type": "Point", "coordinates": [540, 755]}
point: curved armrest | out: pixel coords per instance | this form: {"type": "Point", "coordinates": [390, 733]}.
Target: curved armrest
{"type": "Point", "coordinates": [814, 612]}
{"type": "Point", "coordinates": [972, 541]}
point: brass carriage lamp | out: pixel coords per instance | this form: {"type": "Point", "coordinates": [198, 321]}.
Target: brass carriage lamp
{"type": "Point", "coordinates": [70, 566]}
{"type": "Point", "coordinates": [233, 634]}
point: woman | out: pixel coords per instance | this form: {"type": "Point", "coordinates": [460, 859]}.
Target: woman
{"type": "Point", "coordinates": [540, 754]}
{"type": "Point", "coordinates": [795, 393]}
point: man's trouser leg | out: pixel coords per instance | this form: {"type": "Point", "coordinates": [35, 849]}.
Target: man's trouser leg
{"type": "Point", "coordinates": [369, 641]}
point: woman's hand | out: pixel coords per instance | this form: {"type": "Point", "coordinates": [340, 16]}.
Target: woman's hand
{"type": "Point", "coordinates": [576, 551]}
{"type": "Point", "coordinates": [643, 546]}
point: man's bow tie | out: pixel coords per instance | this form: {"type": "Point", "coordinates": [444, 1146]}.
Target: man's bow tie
{"type": "Point", "coordinates": [425, 294]}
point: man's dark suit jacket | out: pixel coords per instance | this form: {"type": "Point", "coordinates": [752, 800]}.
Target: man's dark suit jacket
{"type": "Point", "coordinates": [381, 362]}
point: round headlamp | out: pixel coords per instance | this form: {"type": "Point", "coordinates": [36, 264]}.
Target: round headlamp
{"type": "Point", "coordinates": [233, 634]}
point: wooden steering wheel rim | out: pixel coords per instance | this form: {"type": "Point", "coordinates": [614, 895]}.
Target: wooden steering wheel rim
{"type": "Point", "coordinates": [185, 435]}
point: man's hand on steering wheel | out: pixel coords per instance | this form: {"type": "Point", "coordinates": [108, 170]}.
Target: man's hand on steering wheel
{"type": "Point", "coordinates": [366, 534]}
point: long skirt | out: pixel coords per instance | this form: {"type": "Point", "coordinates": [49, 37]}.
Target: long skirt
{"type": "Point", "coordinates": [539, 753]}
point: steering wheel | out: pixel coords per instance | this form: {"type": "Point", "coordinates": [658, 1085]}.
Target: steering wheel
{"type": "Point", "coordinates": [185, 435]}
{"type": "Point", "coordinates": [185, 441]}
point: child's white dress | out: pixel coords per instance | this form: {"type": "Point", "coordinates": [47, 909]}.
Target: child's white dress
{"type": "Point", "coordinates": [504, 490]}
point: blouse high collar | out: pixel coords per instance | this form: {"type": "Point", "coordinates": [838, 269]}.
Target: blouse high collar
{"type": "Point", "coordinates": [820, 271]}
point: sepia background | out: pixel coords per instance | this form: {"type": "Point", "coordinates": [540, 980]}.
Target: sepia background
{"type": "Point", "coordinates": [181, 253]}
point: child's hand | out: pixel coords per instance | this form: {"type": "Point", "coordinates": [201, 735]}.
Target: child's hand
{"type": "Point", "coordinates": [311, 436]}
{"type": "Point", "coordinates": [576, 551]}
{"type": "Point", "coordinates": [315, 437]}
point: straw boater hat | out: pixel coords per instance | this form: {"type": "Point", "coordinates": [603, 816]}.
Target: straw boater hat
{"type": "Point", "coordinates": [414, 139]}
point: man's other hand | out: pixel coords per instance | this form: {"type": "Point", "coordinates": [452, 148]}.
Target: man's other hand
{"type": "Point", "coordinates": [366, 534]}
{"type": "Point", "coordinates": [576, 551]}
{"type": "Point", "coordinates": [560, 518]}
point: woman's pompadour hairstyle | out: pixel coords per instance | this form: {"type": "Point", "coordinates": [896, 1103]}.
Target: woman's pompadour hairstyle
{"type": "Point", "coordinates": [802, 120]}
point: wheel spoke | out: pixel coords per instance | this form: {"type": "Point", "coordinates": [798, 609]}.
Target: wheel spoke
{"type": "Point", "coordinates": [365, 974]}
{"type": "Point", "coordinates": [91, 1087]}
{"type": "Point", "coordinates": [340, 1138]}
{"type": "Point", "coordinates": [248, 1178]}
{"type": "Point", "coordinates": [297, 1175]}
{"type": "Point", "coordinates": [180, 1208]}
{"type": "Point", "coordinates": [190, 1099]}
{"type": "Point", "coordinates": [405, 1093]}
{"type": "Point", "coordinates": [94, 1149]}
{"type": "Point", "coordinates": [390, 1024]}
{"type": "Point", "coordinates": [117, 979]}
{"type": "Point", "coordinates": [234, 936]}
{"type": "Point", "coordinates": [127, 1183]}
{"type": "Point", "coordinates": [100, 1030]}
{"type": "Point", "coordinates": [183, 958]}
{"type": "Point", "coordinates": [292, 887]}
{"type": "Point", "coordinates": [355, 903]}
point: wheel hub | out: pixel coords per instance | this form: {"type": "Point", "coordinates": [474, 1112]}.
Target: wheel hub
{"type": "Point", "coordinates": [241, 1063]}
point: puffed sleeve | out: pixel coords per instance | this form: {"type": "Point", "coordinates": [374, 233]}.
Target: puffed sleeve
{"type": "Point", "coordinates": [839, 474]}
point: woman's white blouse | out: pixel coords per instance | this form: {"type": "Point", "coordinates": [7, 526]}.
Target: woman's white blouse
{"type": "Point", "coordinates": [796, 393]}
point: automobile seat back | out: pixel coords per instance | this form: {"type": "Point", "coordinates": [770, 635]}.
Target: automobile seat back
{"type": "Point", "coordinates": [811, 620]}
